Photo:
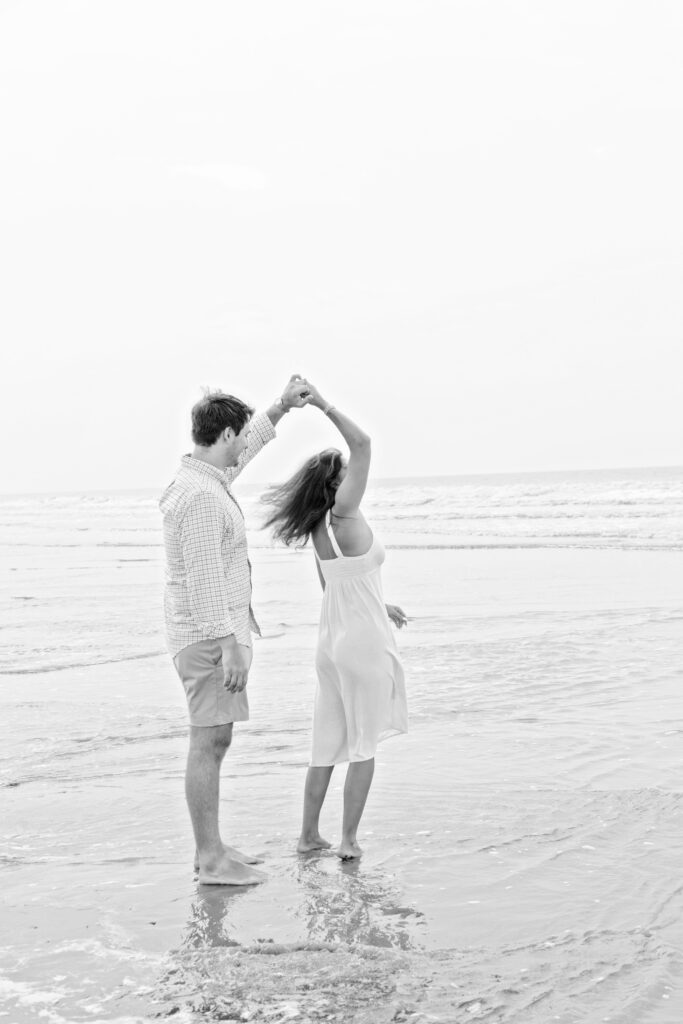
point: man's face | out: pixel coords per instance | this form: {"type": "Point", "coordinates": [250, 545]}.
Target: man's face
{"type": "Point", "coordinates": [236, 443]}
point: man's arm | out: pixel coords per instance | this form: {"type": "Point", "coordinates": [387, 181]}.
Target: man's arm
{"type": "Point", "coordinates": [263, 424]}
{"type": "Point", "coordinates": [201, 536]}
{"type": "Point", "coordinates": [262, 431]}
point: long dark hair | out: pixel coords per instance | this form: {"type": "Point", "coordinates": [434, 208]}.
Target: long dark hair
{"type": "Point", "coordinates": [300, 503]}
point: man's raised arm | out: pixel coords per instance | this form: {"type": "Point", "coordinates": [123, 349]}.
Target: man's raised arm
{"type": "Point", "coordinates": [294, 396]}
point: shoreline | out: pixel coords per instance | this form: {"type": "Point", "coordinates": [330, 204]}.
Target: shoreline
{"type": "Point", "coordinates": [522, 840]}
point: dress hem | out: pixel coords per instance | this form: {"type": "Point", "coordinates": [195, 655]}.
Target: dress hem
{"type": "Point", "coordinates": [386, 735]}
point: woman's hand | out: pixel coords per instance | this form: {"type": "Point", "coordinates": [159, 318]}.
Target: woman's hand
{"type": "Point", "coordinates": [397, 615]}
{"type": "Point", "coordinates": [313, 396]}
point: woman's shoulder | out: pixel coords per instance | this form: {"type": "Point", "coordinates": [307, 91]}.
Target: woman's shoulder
{"type": "Point", "coordinates": [347, 518]}
{"type": "Point", "coordinates": [353, 532]}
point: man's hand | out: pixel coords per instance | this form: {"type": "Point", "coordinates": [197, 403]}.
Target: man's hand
{"type": "Point", "coordinates": [296, 394]}
{"type": "Point", "coordinates": [236, 661]}
{"type": "Point", "coordinates": [397, 615]}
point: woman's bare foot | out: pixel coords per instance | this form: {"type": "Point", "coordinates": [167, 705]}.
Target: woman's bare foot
{"type": "Point", "coordinates": [348, 850]}
{"type": "Point", "coordinates": [307, 844]}
{"type": "Point", "coordinates": [233, 854]}
{"type": "Point", "coordinates": [226, 871]}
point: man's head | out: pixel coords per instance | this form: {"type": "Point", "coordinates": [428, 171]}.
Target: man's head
{"type": "Point", "coordinates": [221, 423]}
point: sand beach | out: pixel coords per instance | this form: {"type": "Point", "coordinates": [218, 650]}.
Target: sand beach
{"type": "Point", "coordinates": [523, 841]}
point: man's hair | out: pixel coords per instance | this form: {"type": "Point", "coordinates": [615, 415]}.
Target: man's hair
{"type": "Point", "coordinates": [214, 413]}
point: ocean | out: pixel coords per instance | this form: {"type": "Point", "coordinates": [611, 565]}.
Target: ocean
{"type": "Point", "coordinates": [523, 842]}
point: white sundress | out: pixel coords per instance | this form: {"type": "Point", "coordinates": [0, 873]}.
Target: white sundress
{"type": "Point", "coordinates": [361, 696]}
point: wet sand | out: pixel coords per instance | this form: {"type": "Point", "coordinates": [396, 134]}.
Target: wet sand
{"type": "Point", "coordinates": [523, 842]}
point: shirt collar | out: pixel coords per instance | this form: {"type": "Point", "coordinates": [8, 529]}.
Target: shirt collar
{"type": "Point", "coordinates": [205, 468]}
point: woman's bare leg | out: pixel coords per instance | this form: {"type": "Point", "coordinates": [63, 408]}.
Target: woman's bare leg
{"type": "Point", "coordinates": [317, 781]}
{"type": "Point", "coordinates": [356, 789]}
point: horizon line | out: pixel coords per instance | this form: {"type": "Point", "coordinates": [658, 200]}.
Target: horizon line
{"type": "Point", "coordinates": [382, 479]}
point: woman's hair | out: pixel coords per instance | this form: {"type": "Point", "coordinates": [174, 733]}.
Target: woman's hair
{"type": "Point", "coordinates": [302, 501]}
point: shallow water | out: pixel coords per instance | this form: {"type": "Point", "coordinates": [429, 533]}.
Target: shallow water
{"type": "Point", "coordinates": [523, 842]}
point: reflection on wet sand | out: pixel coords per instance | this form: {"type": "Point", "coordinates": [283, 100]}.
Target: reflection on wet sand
{"type": "Point", "coordinates": [354, 905]}
{"type": "Point", "coordinates": [209, 916]}
{"type": "Point", "coordinates": [339, 903]}
{"type": "Point", "coordinates": [347, 934]}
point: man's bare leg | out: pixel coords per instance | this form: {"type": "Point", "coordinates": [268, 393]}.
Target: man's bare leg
{"type": "Point", "coordinates": [208, 746]}
{"type": "Point", "coordinates": [356, 789]}
{"type": "Point", "coordinates": [317, 781]}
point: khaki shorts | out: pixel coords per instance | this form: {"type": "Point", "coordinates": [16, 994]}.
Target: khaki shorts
{"type": "Point", "coordinates": [200, 667]}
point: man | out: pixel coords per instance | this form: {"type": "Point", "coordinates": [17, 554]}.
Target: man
{"type": "Point", "coordinates": [207, 604]}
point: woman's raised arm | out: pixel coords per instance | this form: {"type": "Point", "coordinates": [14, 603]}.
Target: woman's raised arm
{"type": "Point", "coordinates": [352, 488]}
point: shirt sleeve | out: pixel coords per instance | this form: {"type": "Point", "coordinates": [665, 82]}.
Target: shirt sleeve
{"type": "Point", "coordinates": [201, 536]}
{"type": "Point", "coordinates": [262, 431]}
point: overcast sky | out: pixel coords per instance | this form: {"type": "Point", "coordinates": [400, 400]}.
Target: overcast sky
{"type": "Point", "coordinates": [463, 220]}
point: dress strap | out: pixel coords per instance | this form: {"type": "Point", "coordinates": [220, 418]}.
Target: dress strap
{"type": "Point", "coordinates": [333, 540]}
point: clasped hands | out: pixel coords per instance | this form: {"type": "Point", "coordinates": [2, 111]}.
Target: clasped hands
{"type": "Point", "coordinates": [300, 392]}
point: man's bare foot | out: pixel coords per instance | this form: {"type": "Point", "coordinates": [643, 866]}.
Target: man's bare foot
{"type": "Point", "coordinates": [348, 850]}
{"type": "Point", "coordinates": [307, 844]}
{"type": "Point", "coordinates": [226, 871]}
{"type": "Point", "coordinates": [233, 854]}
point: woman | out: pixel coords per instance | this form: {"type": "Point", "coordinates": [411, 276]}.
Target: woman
{"type": "Point", "coordinates": [360, 698]}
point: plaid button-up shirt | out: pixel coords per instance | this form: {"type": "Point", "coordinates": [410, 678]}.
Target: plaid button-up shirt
{"type": "Point", "coordinates": [208, 575]}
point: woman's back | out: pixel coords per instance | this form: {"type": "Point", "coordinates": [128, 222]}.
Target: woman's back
{"type": "Point", "coordinates": [351, 534]}
{"type": "Point", "coordinates": [361, 690]}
